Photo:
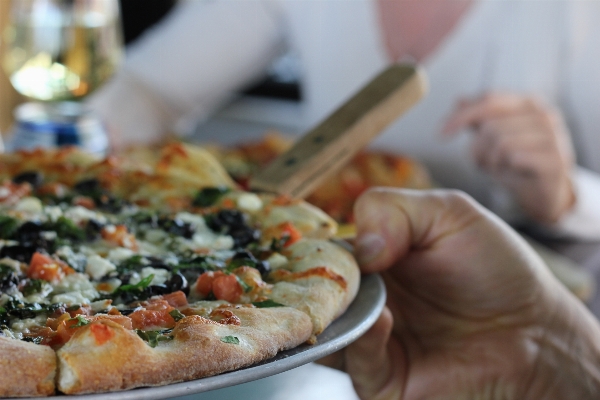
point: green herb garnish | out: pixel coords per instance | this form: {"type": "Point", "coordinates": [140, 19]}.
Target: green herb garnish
{"type": "Point", "coordinates": [153, 337]}
{"type": "Point", "coordinates": [138, 287]}
{"type": "Point", "coordinates": [133, 263]}
{"type": "Point", "coordinates": [209, 196]}
{"type": "Point", "coordinates": [65, 229]}
{"type": "Point", "coordinates": [81, 321]}
{"type": "Point", "coordinates": [267, 304]}
{"type": "Point", "coordinates": [230, 340]}
{"type": "Point", "coordinates": [176, 314]}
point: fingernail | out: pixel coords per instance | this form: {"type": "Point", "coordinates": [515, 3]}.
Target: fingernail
{"type": "Point", "coordinates": [368, 247]}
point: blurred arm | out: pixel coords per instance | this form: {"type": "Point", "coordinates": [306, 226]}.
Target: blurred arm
{"type": "Point", "coordinates": [188, 65]}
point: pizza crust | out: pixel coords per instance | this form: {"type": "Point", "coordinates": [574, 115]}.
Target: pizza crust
{"type": "Point", "coordinates": [320, 296]}
{"type": "Point", "coordinates": [26, 369]}
{"type": "Point", "coordinates": [196, 351]}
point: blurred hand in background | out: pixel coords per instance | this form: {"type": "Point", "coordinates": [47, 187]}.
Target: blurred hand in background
{"type": "Point", "coordinates": [524, 145]}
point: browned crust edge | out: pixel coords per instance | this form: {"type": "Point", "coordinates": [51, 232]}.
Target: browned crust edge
{"type": "Point", "coordinates": [196, 351]}
{"type": "Point", "coordinates": [323, 298]}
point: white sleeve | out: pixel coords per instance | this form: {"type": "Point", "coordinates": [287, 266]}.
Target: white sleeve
{"type": "Point", "coordinates": [583, 221]}
{"type": "Point", "coordinates": [188, 65]}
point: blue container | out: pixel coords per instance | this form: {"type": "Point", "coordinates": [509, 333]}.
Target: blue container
{"type": "Point", "coordinates": [51, 125]}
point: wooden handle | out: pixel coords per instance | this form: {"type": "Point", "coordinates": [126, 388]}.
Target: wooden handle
{"type": "Point", "coordinates": [332, 144]}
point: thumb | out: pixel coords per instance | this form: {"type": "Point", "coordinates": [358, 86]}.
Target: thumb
{"type": "Point", "coordinates": [391, 222]}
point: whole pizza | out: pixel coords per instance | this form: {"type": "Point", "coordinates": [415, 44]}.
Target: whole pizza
{"type": "Point", "coordinates": [121, 273]}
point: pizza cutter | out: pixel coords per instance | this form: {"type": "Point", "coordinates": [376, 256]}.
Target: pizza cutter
{"type": "Point", "coordinates": [329, 146]}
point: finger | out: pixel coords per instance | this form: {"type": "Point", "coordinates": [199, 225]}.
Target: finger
{"type": "Point", "coordinates": [390, 222]}
{"type": "Point", "coordinates": [498, 139]}
{"type": "Point", "coordinates": [376, 375]}
{"type": "Point", "coordinates": [470, 114]}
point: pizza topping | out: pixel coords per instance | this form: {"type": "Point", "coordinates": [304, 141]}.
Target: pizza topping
{"type": "Point", "coordinates": [120, 236]}
{"type": "Point", "coordinates": [230, 340]}
{"type": "Point", "coordinates": [44, 267]}
{"type": "Point", "coordinates": [225, 317]}
{"type": "Point", "coordinates": [267, 304]}
{"type": "Point", "coordinates": [71, 260]}
{"type": "Point", "coordinates": [102, 333]}
{"type": "Point", "coordinates": [209, 196]}
{"type": "Point", "coordinates": [154, 337]}
{"type": "Point", "coordinates": [34, 178]}
{"type": "Point", "coordinates": [235, 224]}
{"type": "Point", "coordinates": [227, 287]}
{"type": "Point", "coordinates": [249, 202]}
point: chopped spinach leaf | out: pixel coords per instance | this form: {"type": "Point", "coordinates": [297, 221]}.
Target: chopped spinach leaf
{"type": "Point", "coordinates": [65, 229]}
{"type": "Point", "coordinates": [8, 226]}
{"type": "Point", "coordinates": [21, 310]}
{"type": "Point", "coordinates": [133, 263]}
{"type": "Point", "coordinates": [5, 270]}
{"type": "Point", "coordinates": [209, 196]}
{"type": "Point", "coordinates": [32, 286]}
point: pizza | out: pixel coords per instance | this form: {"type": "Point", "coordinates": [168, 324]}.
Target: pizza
{"type": "Point", "coordinates": [126, 272]}
{"type": "Point", "coordinates": [336, 196]}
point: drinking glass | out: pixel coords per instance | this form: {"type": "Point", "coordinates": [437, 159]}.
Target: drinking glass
{"type": "Point", "coordinates": [56, 53]}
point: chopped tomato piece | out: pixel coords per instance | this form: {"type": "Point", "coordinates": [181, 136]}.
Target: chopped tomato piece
{"type": "Point", "coordinates": [227, 287]}
{"type": "Point", "coordinates": [119, 235]}
{"type": "Point", "coordinates": [65, 330]}
{"type": "Point", "coordinates": [102, 333]}
{"type": "Point", "coordinates": [144, 319]}
{"type": "Point", "coordinates": [44, 267]}
{"type": "Point", "coordinates": [204, 284]}
{"type": "Point", "coordinates": [288, 229]}
{"type": "Point", "coordinates": [84, 201]}
{"type": "Point", "coordinates": [176, 299]}
{"type": "Point", "coordinates": [223, 286]}
{"type": "Point", "coordinates": [155, 314]}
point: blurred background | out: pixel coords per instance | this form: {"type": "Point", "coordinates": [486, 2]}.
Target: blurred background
{"type": "Point", "coordinates": [136, 17]}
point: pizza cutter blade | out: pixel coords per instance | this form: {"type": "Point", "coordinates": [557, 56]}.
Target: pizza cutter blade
{"type": "Point", "coordinates": [329, 146]}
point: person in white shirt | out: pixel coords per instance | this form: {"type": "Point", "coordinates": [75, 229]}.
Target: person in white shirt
{"type": "Point", "coordinates": [522, 76]}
